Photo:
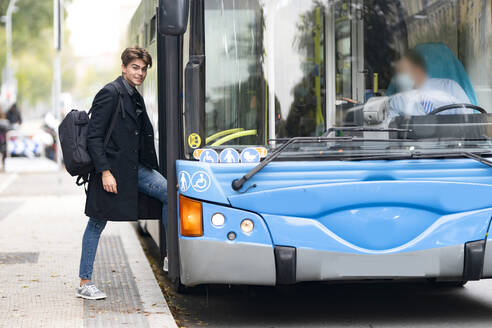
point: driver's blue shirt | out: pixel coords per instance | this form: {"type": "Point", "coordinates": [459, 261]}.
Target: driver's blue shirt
{"type": "Point", "coordinates": [434, 93]}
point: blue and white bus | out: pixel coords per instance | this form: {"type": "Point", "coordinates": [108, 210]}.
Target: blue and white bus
{"type": "Point", "coordinates": [322, 140]}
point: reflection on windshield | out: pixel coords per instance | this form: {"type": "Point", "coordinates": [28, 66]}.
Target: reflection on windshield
{"type": "Point", "coordinates": [235, 85]}
{"type": "Point", "coordinates": [296, 68]}
{"type": "Point", "coordinates": [265, 68]}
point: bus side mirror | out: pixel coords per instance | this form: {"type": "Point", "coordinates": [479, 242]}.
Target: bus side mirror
{"type": "Point", "coordinates": [173, 17]}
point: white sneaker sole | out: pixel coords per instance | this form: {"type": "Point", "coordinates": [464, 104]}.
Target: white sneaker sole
{"type": "Point", "coordinates": [165, 267]}
{"type": "Point", "coordinates": [89, 297]}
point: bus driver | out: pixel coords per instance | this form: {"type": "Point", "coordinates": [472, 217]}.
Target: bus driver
{"type": "Point", "coordinates": [419, 94]}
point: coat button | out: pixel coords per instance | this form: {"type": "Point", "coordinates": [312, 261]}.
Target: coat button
{"type": "Point", "coordinates": [135, 150]}
{"type": "Point", "coordinates": [136, 132]}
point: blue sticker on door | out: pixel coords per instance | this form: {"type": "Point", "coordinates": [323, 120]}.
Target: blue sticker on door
{"type": "Point", "coordinates": [209, 156]}
{"type": "Point", "coordinates": [229, 155]}
{"type": "Point", "coordinates": [250, 155]}
{"type": "Point", "coordinates": [184, 180]}
{"type": "Point", "coordinates": [200, 181]}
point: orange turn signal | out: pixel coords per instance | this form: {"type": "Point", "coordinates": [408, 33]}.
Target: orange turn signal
{"type": "Point", "coordinates": [190, 217]}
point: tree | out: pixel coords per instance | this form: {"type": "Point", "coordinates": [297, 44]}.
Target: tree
{"type": "Point", "coordinates": [32, 49]}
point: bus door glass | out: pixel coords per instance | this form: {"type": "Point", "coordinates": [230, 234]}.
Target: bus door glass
{"type": "Point", "coordinates": [346, 26]}
{"type": "Point", "coordinates": [265, 70]}
{"type": "Point", "coordinates": [295, 34]}
{"type": "Point", "coordinates": [235, 84]}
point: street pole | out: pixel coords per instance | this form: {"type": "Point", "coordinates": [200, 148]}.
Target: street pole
{"type": "Point", "coordinates": [57, 38]}
{"type": "Point", "coordinates": [8, 29]}
{"type": "Point", "coordinates": [8, 73]}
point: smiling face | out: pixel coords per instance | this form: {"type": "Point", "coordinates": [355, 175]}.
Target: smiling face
{"type": "Point", "coordinates": [135, 72]}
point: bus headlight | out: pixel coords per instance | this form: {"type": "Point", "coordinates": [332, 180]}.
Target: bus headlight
{"type": "Point", "coordinates": [218, 219]}
{"type": "Point", "coordinates": [247, 225]}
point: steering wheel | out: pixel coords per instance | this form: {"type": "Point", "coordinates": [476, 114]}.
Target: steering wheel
{"type": "Point", "coordinates": [454, 106]}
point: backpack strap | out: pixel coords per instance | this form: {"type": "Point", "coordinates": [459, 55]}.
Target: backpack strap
{"type": "Point", "coordinates": [83, 180]}
{"type": "Point", "coordinates": [119, 107]}
{"type": "Point", "coordinates": [120, 91]}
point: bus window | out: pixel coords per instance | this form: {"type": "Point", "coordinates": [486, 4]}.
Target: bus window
{"type": "Point", "coordinates": [374, 37]}
{"type": "Point", "coordinates": [235, 81]}
{"type": "Point", "coordinates": [152, 29]}
{"type": "Point", "coordinates": [296, 54]}
{"type": "Point", "coordinates": [299, 68]}
{"type": "Point", "coordinates": [475, 46]}
{"type": "Point", "coordinates": [265, 70]}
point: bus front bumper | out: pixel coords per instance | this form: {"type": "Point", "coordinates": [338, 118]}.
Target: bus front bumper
{"type": "Point", "coordinates": [221, 262]}
{"type": "Point", "coordinates": [287, 250]}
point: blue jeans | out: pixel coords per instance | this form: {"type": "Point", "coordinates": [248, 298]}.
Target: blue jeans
{"type": "Point", "coordinates": [151, 183]}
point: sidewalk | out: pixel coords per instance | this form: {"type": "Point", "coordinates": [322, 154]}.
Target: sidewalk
{"type": "Point", "coordinates": [40, 245]}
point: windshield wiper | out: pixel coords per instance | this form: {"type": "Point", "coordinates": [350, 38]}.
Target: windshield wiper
{"type": "Point", "coordinates": [478, 158]}
{"type": "Point", "coordinates": [237, 184]}
{"type": "Point", "coordinates": [420, 155]}
{"type": "Point", "coordinates": [472, 155]}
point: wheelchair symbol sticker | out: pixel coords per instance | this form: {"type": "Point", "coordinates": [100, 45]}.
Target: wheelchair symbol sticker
{"type": "Point", "coordinates": [200, 181]}
{"type": "Point", "coordinates": [184, 180]}
{"type": "Point", "coordinates": [209, 156]}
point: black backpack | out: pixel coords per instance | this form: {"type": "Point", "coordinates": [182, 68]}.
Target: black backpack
{"type": "Point", "coordinates": [73, 139]}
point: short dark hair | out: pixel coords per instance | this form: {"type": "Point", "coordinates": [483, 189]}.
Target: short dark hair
{"type": "Point", "coordinates": [415, 58]}
{"type": "Point", "coordinates": [132, 53]}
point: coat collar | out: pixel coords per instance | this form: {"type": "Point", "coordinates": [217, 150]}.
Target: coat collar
{"type": "Point", "coordinates": [129, 109]}
{"type": "Point", "coordinates": [130, 89]}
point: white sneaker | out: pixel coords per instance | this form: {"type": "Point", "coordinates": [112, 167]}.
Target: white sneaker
{"type": "Point", "coordinates": [89, 291]}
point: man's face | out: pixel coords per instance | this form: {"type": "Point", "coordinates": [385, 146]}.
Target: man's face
{"type": "Point", "coordinates": [135, 72]}
{"type": "Point", "coordinates": [417, 73]}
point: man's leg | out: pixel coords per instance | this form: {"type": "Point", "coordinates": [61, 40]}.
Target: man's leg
{"type": "Point", "coordinates": [153, 184]}
{"type": "Point", "coordinates": [89, 248]}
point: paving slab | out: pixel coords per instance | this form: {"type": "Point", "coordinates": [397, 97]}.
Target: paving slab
{"type": "Point", "coordinates": [40, 247]}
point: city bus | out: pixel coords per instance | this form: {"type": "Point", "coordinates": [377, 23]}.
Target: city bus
{"type": "Point", "coordinates": [321, 140]}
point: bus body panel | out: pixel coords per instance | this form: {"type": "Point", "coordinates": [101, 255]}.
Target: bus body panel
{"type": "Point", "coordinates": [304, 173]}
{"type": "Point", "coordinates": [346, 220]}
{"type": "Point", "coordinates": [213, 258]}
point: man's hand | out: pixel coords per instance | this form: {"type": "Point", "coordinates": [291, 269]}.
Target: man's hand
{"type": "Point", "coordinates": [108, 181]}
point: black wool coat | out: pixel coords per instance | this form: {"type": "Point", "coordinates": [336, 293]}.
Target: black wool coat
{"type": "Point", "coordinates": [120, 157]}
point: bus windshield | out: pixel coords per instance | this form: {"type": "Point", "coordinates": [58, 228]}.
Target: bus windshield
{"type": "Point", "coordinates": [380, 75]}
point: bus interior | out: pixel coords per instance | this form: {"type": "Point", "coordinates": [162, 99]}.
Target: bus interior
{"type": "Point", "coordinates": [286, 69]}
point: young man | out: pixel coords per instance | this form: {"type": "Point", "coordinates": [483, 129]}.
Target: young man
{"type": "Point", "coordinates": [125, 167]}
